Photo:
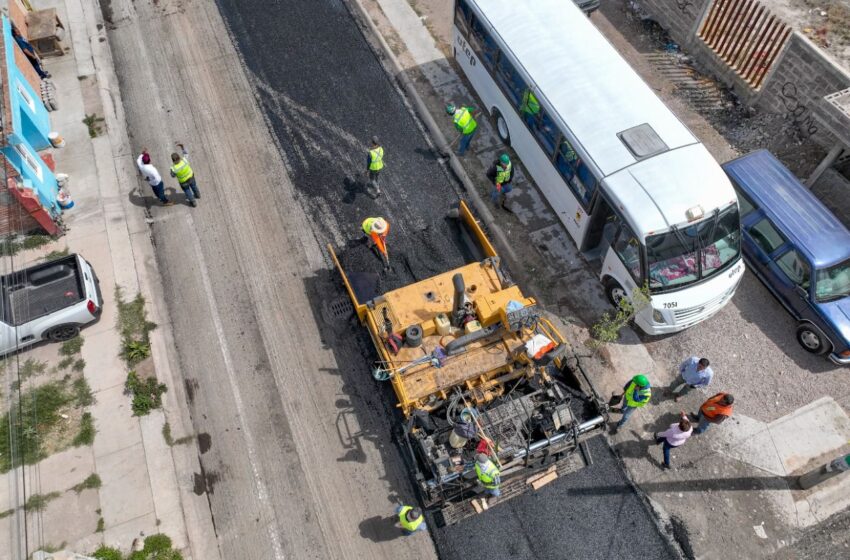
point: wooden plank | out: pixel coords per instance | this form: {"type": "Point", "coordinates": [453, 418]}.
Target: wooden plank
{"type": "Point", "coordinates": [543, 481]}
{"type": "Point", "coordinates": [531, 479]}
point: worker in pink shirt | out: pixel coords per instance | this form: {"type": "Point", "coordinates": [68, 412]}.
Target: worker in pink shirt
{"type": "Point", "coordinates": [675, 436]}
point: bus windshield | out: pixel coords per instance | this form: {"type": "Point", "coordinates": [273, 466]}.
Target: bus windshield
{"type": "Point", "coordinates": [672, 256]}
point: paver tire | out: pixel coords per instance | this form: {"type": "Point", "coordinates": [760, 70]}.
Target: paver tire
{"type": "Point", "coordinates": [812, 339]}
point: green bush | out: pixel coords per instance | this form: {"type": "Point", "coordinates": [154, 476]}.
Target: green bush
{"type": "Point", "coordinates": [135, 351]}
{"type": "Point", "coordinates": [147, 394]}
{"type": "Point", "coordinates": [37, 414]}
{"type": "Point", "coordinates": [90, 483]}
{"type": "Point", "coordinates": [87, 431]}
{"type": "Point", "coordinates": [82, 393]}
{"type": "Point", "coordinates": [107, 553]}
{"type": "Point", "coordinates": [71, 347]}
{"type": "Point", "coordinates": [38, 502]}
{"type": "Point", "coordinates": [157, 543]}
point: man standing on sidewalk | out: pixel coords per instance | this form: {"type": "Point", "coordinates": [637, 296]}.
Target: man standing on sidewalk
{"type": "Point", "coordinates": [714, 411]}
{"type": "Point", "coordinates": [636, 394]}
{"type": "Point", "coordinates": [152, 176]}
{"type": "Point", "coordinates": [501, 174]}
{"type": "Point", "coordinates": [374, 165]}
{"type": "Point", "coordinates": [694, 372]}
{"type": "Point", "coordinates": [185, 176]}
{"type": "Point", "coordinates": [465, 124]}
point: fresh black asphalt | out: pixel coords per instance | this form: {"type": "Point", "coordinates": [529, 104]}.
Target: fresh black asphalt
{"type": "Point", "coordinates": [326, 94]}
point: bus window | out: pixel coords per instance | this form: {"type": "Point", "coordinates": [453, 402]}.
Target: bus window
{"type": "Point", "coordinates": [512, 83]}
{"type": "Point", "coordinates": [627, 248]}
{"type": "Point", "coordinates": [582, 183]}
{"type": "Point", "coordinates": [462, 17]}
{"type": "Point", "coordinates": [546, 132]}
{"type": "Point", "coordinates": [483, 44]}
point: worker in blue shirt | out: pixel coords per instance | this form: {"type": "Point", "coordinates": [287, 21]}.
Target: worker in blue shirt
{"type": "Point", "coordinates": [694, 372]}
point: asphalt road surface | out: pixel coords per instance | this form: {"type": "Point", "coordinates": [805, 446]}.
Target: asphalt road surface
{"type": "Point", "coordinates": [300, 462]}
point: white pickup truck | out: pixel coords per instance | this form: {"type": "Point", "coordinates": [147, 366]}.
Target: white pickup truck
{"type": "Point", "coordinates": [48, 301]}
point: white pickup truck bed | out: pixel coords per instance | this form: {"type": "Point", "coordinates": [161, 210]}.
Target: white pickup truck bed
{"type": "Point", "coordinates": [48, 301]}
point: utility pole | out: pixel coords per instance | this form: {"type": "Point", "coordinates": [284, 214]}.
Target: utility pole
{"type": "Point", "coordinates": [825, 472]}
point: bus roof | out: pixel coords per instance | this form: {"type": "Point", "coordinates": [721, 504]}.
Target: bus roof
{"type": "Point", "coordinates": [663, 177]}
{"type": "Point", "coordinates": [582, 78]}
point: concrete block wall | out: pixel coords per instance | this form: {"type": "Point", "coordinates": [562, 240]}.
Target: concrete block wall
{"type": "Point", "coordinates": [679, 17]}
{"type": "Point", "coordinates": [800, 77]}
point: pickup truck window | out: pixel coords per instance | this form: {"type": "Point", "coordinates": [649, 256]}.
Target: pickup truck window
{"type": "Point", "coordinates": [833, 283]}
{"type": "Point", "coordinates": [766, 236]}
{"type": "Point", "coordinates": [797, 269]}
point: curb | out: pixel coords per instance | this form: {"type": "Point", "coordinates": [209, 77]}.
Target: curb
{"type": "Point", "coordinates": [433, 129]}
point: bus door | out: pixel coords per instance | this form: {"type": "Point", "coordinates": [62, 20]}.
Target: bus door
{"type": "Point", "coordinates": [601, 228]}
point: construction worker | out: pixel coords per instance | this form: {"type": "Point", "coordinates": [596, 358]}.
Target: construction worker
{"type": "Point", "coordinates": [636, 394]}
{"type": "Point", "coordinates": [714, 411]}
{"type": "Point", "coordinates": [376, 230]}
{"type": "Point", "coordinates": [410, 519]}
{"type": "Point", "coordinates": [529, 108]}
{"type": "Point", "coordinates": [465, 124]}
{"type": "Point", "coordinates": [488, 475]}
{"type": "Point", "coordinates": [185, 176]}
{"type": "Point", "coordinates": [374, 165]}
{"type": "Point", "coordinates": [501, 173]}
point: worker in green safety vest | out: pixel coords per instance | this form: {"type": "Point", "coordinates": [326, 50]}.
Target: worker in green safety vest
{"type": "Point", "coordinates": [636, 394]}
{"type": "Point", "coordinates": [488, 475]}
{"type": "Point", "coordinates": [410, 519]}
{"type": "Point", "coordinates": [529, 107]}
{"type": "Point", "coordinates": [374, 165]}
{"type": "Point", "coordinates": [185, 176]}
{"type": "Point", "coordinates": [501, 174]}
{"type": "Point", "coordinates": [465, 124]}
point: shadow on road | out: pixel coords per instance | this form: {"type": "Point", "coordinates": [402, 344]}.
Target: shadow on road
{"type": "Point", "coordinates": [380, 529]}
{"type": "Point", "coordinates": [743, 483]}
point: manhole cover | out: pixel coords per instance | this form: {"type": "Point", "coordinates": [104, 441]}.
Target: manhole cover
{"type": "Point", "coordinates": [340, 308]}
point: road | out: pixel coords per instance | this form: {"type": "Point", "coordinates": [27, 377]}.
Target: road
{"type": "Point", "coordinates": [299, 462]}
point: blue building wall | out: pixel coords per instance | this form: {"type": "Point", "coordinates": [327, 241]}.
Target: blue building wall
{"type": "Point", "coordinates": [29, 128]}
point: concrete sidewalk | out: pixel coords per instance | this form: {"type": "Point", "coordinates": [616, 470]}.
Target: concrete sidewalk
{"type": "Point", "coordinates": [735, 484]}
{"type": "Point", "coordinates": [146, 484]}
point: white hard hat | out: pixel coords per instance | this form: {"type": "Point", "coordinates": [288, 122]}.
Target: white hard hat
{"type": "Point", "coordinates": [379, 226]}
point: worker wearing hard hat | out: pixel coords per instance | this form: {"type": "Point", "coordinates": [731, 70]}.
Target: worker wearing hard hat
{"type": "Point", "coordinates": [374, 165]}
{"type": "Point", "coordinates": [377, 229]}
{"type": "Point", "coordinates": [501, 174]}
{"type": "Point", "coordinates": [488, 475]}
{"type": "Point", "coordinates": [465, 124]}
{"type": "Point", "coordinates": [636, 394]}
{"type": "Point", "coordinates": [411, 520]}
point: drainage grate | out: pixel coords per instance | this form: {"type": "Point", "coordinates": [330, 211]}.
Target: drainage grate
{"type": "Point", "coordinates": [340, 308]}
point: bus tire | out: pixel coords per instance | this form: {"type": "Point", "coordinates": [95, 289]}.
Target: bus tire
{"type": "Point", "coordinates": [502, 127]}
{"type": "Point", "coordinates": [615, 292]}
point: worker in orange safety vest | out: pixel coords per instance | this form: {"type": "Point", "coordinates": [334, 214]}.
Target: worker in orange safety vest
{"type": "Point", "coordinates": [377, 229]}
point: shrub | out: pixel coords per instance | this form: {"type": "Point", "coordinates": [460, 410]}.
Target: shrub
{"type": "Point", "coordinates": [71, 347]}
{"type": "Point", "coordinates": [107, 553]}
{"type": "Point", "coordinates": [147, 394]}
{"type": "Point", "coordinates": [82, 392]}
{"type": "Point", "coordinates": [87, 431]}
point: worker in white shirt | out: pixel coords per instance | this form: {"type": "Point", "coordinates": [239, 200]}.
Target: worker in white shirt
{"type": "Point", "coordinates": [152, 176]}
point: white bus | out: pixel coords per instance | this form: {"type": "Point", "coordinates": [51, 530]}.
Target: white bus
{"type": "Point", "coordinates": [631, 184]}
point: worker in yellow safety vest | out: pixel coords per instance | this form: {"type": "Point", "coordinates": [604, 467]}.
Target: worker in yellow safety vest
{"type": "Point", "coordinates": [488, 475]}
{"type": "Point", "coordinates": [410, 519]}
{"type": "Point", "coordinates": [185, 176]}
{"type": "Point", "coordinates": [374, 165]}
{"type": "Point", "coordinates": [501, 173]}
{"type": "Point", "coordinates": [465, 124]}
{"type": "Point", "coordinates": [636, 394]}
{"type": "Point", "coordinates": [376, 230]}
{"type": "Point", "coordinates": [529, 107]}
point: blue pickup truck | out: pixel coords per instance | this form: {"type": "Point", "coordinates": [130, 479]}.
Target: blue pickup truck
{"type": "Point", "coordinates": [798, 249]}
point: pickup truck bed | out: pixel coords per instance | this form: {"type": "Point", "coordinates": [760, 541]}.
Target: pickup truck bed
{"type": "Point", "coordinates": [41, 290]}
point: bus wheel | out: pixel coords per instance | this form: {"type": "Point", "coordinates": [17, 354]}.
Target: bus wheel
{"type": "Point", "coordinates": [502, 127]}
{"type": "Point", "coordinates": [615, 292]}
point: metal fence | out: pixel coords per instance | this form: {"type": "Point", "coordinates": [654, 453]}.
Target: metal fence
{"type": "Point", "coordinates": [746, 36]}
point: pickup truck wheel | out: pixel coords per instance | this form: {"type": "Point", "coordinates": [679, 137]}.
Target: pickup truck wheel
{"type": "Point", "coordinates": [62, 333]}
{"type": "Point", "coordinates": [811, 339]}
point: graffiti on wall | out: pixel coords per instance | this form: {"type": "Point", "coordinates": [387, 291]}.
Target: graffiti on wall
{"type": "Point", "coordinates": [797, 112]}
